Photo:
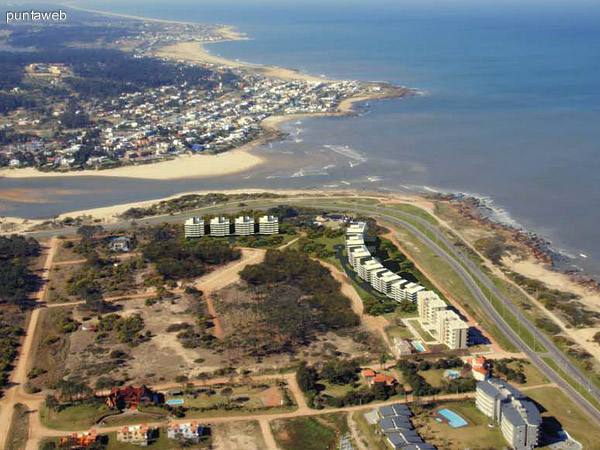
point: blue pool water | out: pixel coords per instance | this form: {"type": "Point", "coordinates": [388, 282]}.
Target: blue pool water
{"type": "Point", "coordinates": [454, 420]}
{"type": "Point", "coordinates": [418, 346]}
{"type": "Point", "coordinates": [175, 401]}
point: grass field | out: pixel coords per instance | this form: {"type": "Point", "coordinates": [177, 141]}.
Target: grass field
{"type": "Point", "coordinates": [423, 334]}
{"type": "Point", "coordinates": [74, 417]}
{"type": "Point", "coordinates": [572, 419]}
{"type": "Point", "coordinates": [475, 435]}
{"type": "Point", "coordinates": [310, 433]}
{"type": "Point", "coordinates": [433, 376]}
{"type": "Point", "coordinates": [533, 376]}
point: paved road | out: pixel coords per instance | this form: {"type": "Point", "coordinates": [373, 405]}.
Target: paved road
{"type": "Point", "coordinates": [469, 280]}
{"type": "Point", "coordinates": [466, 270]}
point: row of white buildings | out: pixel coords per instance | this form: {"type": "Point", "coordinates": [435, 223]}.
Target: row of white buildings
{"type": "Point", "coordinates": [221, 226]}
{"type": "Point", "coordinates": [359, 246]}
{"type": "Point", "coordinates": [445, 324]}
{"type": "Point", "coordinates": [448, 327]}
{"type": "Point", "coordinates": [519, 418]}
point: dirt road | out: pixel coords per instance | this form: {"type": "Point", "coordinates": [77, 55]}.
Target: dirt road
{"type": "Point", "coordinates": [18, 378]}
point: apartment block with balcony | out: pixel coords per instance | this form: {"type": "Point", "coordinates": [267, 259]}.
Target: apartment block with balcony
{"type": "Point", "coordinates": [519, 418]}
{"type": "Point", "coordinates": [220, 226]}
{"type": "Point", "coordinates": [268, 225]}
{"type": "Point", "coordinates": [194, 227]}
{"type": "Point", "coordinates": [244, 226]}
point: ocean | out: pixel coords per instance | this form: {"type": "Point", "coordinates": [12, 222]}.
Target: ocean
{"type": "Point", "coordinates": [510, 111]}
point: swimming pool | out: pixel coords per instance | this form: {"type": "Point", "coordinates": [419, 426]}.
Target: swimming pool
{"type": "Point", "coordinates": [454, 420]}
{"type": "Point", "coordinates": [418, 346]}
{"type": "Point", "coordinates": [175, 401]}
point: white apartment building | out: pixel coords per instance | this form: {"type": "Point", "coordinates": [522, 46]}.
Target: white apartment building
{"type": "Point", "coordinates": [445, 324]}
{"type": "Point", "coordinates": [452, 330]}
{"type": "Point", "coordinates": [219, 227]}
{"type": "Point", "coordinates": [244, 226]}
{"type": "Point", "coordinates": [356, 229]}
{"type": "Point", "coordinates": [268, 225]}
{"type": "Point", "coordinates": [376, 278]}
{"type": "Point", "coordinates": [355, 254]}
{"type": "Point", "coordinates": [194, 227]}
{"type": "Point", "coordinates": [367, 267]}
{"type": "Point", "coordinates": [411, 290]}
{"type": "Point", "coordinates": [429, 305]}
{"type": "Point", "coordinates": [383, 281]}
{"type": "Point", "coordinates": [397, 289]}
{"type": "Point", "coordinates": [354, 240]}
{"type": "Point", "coordinates": [519, 418]}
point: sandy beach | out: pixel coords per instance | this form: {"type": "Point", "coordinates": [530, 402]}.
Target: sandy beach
{"type": "Point", "coordinates": [187, 166]}
{"type": "Point", "coordinates": [196, 52]}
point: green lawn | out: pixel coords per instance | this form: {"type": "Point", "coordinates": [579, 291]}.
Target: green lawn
{"type": "Point", "coordinates": [414, 210]}
{"type": "Point", "coordinates": [395, 331]}
{"type": "Point", "coordinates": [76, 417]}
{"type": "Point", "coordinates": [433, 376]}
{"type": "Point", "coordinates": [533, 376]}
{"type": "Point", "coordinates": [572, 419]}
{"type": "Point", "coordinates": [309, 433]}
{"type": "Point", "coordinates": [423, 334]}
{"type": "Point", "coordinates": [475, 435]}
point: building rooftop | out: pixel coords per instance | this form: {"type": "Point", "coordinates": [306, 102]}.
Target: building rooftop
{"type": "Point", "coordinates": [268, 219]}
{"type": "Point", "coordinates": [219, 220]}
{"type": "Point", "coordinates": [356, 228]}
{"type": "Point", "coordinates": [194, 221]}
{"type": "Point", "coordinates": [244, 219]}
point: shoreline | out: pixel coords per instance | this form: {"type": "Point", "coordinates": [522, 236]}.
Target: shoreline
{"type": "Point", "coordinates": [236, 160]}
{"type": "Point", "coordinates": [230, 162]}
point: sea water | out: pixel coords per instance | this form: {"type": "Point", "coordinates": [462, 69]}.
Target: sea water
{"type": "Point", "coordinates": [510, 113]}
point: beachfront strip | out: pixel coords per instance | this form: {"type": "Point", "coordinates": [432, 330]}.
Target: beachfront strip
{"type": "Point", "coordinates": [519, 418]}
{"type": "Point", "coordinates": [444, 323]}
{"type": "Point", "coordinates": [220, 226]}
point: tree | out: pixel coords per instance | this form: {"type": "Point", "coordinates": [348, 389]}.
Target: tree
{"type": "Point", "coordinates": [383, 358]}
{"type": "Point", "coordinates": [51, 402]}
{"type": "Point", "coordinates": [306, 377]}
{"type": "Point", "coordinates": [89, 231]}
{"type": "Point", "coordinates": [227, 393]}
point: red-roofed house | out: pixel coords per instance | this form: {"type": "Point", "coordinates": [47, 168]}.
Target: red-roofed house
{"type": "Point", "coordinates": [479, 368]}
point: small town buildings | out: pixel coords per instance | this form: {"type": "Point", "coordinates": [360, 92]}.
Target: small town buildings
{"type": "Point", "coordinates": [189, 431]}
{"type": "Point", "coordinates": [244, 226]}
{"type": "Point", "coordinates": [135, 434]}
{"type": "Point", "coordinates": [120, 244]}
{"type": "Point", "coordinates": [268, 225]}
{"type": "Point", "coordinates": [131, 397]}
{"type": "Point", "coordinates": [220, 227]}
{"type": "Point", "coordinates": [194, 227]}
{"type": "Point", "coordinates": [372, 378]}
{"type": "Point", "coordinates": [519, 418]}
